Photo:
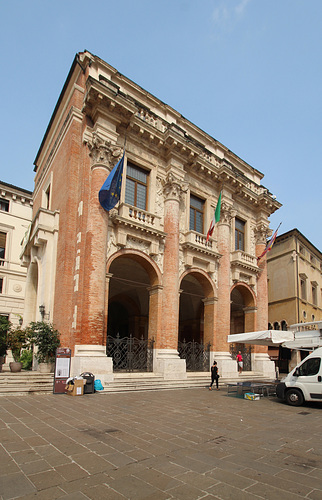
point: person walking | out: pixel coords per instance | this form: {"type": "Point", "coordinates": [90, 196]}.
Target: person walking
{"type": "Point", "coordinates": [240, 363]}
{"type": "Point", "coordinates": [214, 375]}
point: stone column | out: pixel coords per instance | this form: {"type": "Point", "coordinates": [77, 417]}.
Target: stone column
{"type": "Point", "coordinates": [261, 361]}
{"type": "Point", "coordinates": [167, 360]}
{"type": "Point", "coordinates": [226, 365]}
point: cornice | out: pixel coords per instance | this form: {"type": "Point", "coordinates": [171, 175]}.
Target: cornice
{"type": "Point", "coordinates": [105, 98]}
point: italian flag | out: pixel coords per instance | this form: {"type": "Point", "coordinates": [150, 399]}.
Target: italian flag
{"type": "Point", "coordinates": [215, 219]}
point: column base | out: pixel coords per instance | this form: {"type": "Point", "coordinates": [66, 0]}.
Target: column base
{"type": "Point", "coordinates": [93, 359]}
{"type": "Point", "coordinates": [262, 364]}
{"type": "Point", "coordinates": [227, 367]}
{"type": "Point", "coordinates": [167, 364]}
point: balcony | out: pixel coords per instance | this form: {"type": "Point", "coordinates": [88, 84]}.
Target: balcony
{"type": "Point", "coordinates": [244, 260]}
{"type": "Point", "coordinates": [199, 252]}
{"type": "Point", "coordinates": [137, 224]}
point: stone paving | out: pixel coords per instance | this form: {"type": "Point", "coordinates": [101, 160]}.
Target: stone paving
{"type": "Point", "coordinates": [158, 445]}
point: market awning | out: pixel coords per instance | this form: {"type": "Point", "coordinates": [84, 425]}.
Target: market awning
{"type": "Point", "coordinates": [266, 337]}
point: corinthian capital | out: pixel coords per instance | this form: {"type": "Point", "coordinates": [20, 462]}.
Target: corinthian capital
{"type": "Point", "coordinates": [102, 151]}
{"type": "Point", "coordinates": [261, 232]}
{"type": "Point", "coordinates": [226, 213]}
{"type": "Point", "coordinates": [173, 187]}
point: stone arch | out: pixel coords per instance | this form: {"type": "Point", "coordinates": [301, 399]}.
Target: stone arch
{"type": "Point", "coordinates": [133, 300]}
{"type": "Point", "coordinates": [145, 261]}
{"type": "Point", "coordinates": [198, 296]}
{"type": "Point", "coordinates": [242, 318]}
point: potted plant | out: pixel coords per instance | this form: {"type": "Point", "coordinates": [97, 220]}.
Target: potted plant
{"type": "Point", "coordinates": [4, 327]}
{"type": "Point", "coordinates": [46, 338]}
{"type": "Point", "coordinates": [17, 340]}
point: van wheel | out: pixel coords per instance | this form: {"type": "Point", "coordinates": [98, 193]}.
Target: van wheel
{"type": "Point", "coordinates": [294, 397]}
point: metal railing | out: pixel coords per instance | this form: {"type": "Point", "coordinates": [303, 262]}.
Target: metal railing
{"type": "Point", "coordinates": [130, 354]}
{"type": "Point", "coordinates": [197, 355]}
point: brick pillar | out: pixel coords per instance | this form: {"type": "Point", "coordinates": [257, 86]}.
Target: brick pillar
{"type": "Point", "coordinates": [224, 246]}
{"type": "Point", "coordinates": [261, 362]}
{"type": "Point", "coordinates": [155, 314]}
{"type": "Point", "coordinates": [262, 290]}
{"type": "Point", "coordinates": [168, 362]}
{"type": "Point", "coordinates": [90, 353]}
{"type": "Point", "coordinates": [96, 247]}
{"type": "Point", "coordinates": [226, 365]}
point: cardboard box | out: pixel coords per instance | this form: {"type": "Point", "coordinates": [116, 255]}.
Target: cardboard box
{"type": "Point", "coordinates": [251, 396]}
{"type": "Point", "coordinates": [76, 389]}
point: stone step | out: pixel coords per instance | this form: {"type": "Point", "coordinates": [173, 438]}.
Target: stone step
{"type": "Point", "coordinates": [28, 382]}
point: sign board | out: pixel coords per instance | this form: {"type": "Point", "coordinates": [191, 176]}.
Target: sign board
{"type": "Point", "coordinates": [62, 369]}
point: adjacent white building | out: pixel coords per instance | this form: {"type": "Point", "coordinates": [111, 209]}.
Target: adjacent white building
{"type": "Point", "coordinates": [15, 218]}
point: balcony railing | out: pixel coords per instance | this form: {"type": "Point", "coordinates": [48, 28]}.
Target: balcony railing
{"type": "Point", "coordinates": [199, 240]}
{"type": "Point", "coordinates": [139, 216]}
{"type": "Point", "coordinates": [243, 258]}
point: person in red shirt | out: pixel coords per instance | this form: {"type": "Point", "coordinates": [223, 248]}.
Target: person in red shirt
{"type": "Point", "coordinates": [239, 359]}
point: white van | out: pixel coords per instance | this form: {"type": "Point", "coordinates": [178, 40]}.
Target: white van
{"type": "Point", "coordinates": [304, 383]}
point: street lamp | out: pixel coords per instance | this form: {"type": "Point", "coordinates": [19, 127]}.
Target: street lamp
{"type": "Point", "coordinates": [43, 313]}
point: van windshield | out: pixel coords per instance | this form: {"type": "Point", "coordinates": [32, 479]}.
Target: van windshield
{"type": "Point", "coordinates": [309, 367]}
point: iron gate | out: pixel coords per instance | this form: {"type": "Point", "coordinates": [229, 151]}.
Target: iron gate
{"type": "Point", "coordinates": [130, 354]}
{"type": "Point", "coordinates": [197, 356]}
{"type": "Point", "coordinates": [246, 353]}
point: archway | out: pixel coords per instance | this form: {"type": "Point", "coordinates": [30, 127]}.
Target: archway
{"type": "Point", "coordinates": [196, 320]}
{"type": "Point", "coordinates": [242, 319]}
{"type": "Point", "coordinates": [132, 310]}
{"type": "Point", "coordinates": [191, 310]}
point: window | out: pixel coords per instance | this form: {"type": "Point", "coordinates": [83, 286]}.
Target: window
{"type": "Point", "coordinates": [314, 292]}
{"type": "Point", "coordinates": [284, 325]}
{"type": "Point", "coordinates": [4, 205]}
{"type": "Point", "coordinates": [3, 237]}
{"type": "Point", "coordinates": [136, 186]}
{"type": "Point", "coordinates": [239, 234]}
{"type": "Point", "coordinates": [48, 197]}
{"type": "Point", "coordinates": [303, 288]}
{"type": "Point", "coordinates": [196, 214]}
{"type": "Point", "coordinates": [1, 285]}
{"type": "Point", "coordinates": [309, 367]}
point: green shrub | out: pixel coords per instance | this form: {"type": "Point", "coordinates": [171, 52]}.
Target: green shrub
{"type": "Point", "coordinates": [26, 359]}
{"type": "Point", "coordinates": [46, 338]}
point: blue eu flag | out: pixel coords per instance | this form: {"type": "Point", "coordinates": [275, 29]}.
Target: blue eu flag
{"type": "Point", "coordinates": [110, 192]}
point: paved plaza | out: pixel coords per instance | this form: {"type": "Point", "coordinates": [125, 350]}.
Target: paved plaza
{"type": "Point", "coordinates": [158, 445]}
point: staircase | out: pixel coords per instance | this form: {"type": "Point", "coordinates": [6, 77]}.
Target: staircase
{"type": "Point", "coordinates": [25, 382]}
{"type": "Point", "coordinates": [30, 382]}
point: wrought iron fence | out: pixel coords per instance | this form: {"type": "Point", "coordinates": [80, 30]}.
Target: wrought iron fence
{"type": "Point", "coordinates": [197, 355]}
{"type": "Point", "coordinates": [246, 353]}
{"type": "Point", "coordinates": [130, 354]}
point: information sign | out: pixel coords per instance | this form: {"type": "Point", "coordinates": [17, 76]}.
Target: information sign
{"type": "Point", "coordinates": [62, 369]}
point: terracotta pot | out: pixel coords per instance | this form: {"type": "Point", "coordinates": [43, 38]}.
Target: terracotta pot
{"type": "Point", "coordinates": [46, 367]}
{"type": "Point", "coordinates": [15, 366]}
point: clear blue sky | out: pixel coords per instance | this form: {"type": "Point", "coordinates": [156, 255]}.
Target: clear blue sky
{"type": "Point", "coordinates": [248, 72]}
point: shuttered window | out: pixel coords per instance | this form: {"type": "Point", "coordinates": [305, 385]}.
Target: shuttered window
{"type": "Point", "coordinates": [239, 234]}
{"type": "Point", "coordinates": [136, 186]}
{"type": "Point", "coordinates": [196, 214]}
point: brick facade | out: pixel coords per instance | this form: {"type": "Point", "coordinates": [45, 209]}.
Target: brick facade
{"type": "Point", "coordinates": [131, 268]}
